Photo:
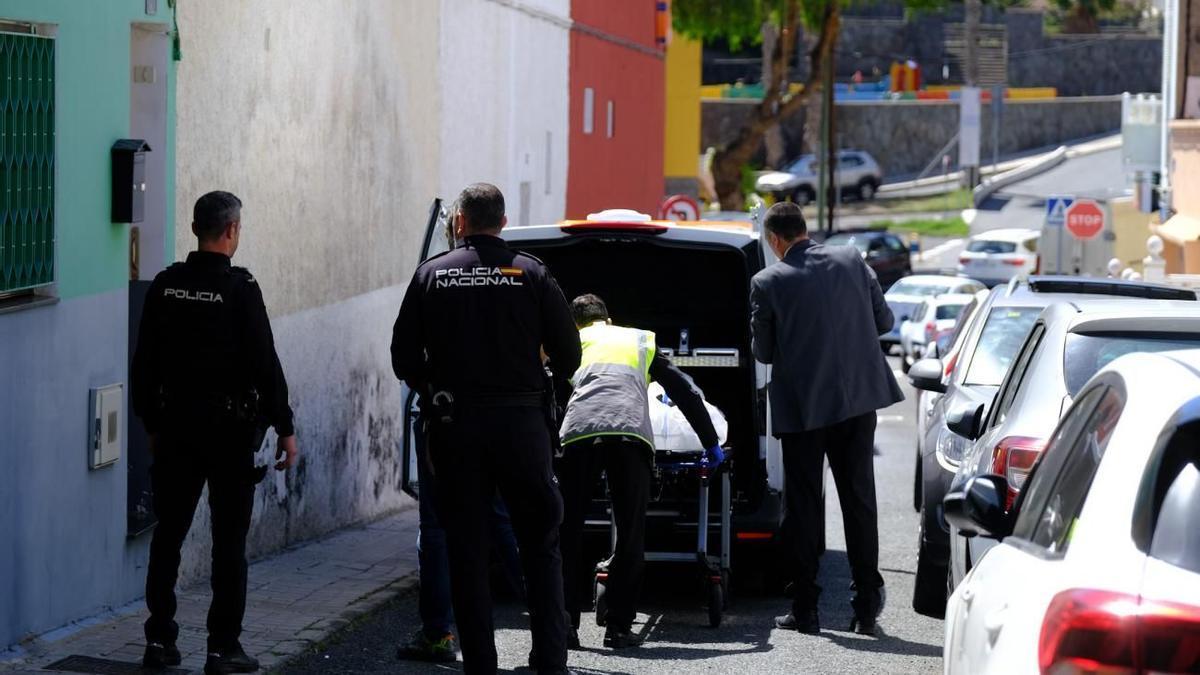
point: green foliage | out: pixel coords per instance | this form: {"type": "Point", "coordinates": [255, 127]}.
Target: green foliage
{"type": "Point", "coordinates": [739, 22]}
{"type": "Point", "coordinates": [934, 227]}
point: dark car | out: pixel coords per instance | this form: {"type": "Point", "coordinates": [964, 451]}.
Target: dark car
{"type": "Point", "coordinates": [883, 251]}
{"type": "Point", "coordinates": [967, 380]}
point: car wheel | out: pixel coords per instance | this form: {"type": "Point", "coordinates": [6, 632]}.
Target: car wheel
{"type": "Point", "coordinates": [918, 479]}
{"type": "Point", "coordinates": [905, 362]}
{"type": "Point", "coordinates": [803, 196]}
{"type": "Point", "coordinates": [866, 190]}
{"type": "Point", "coordinates": [929, 587]}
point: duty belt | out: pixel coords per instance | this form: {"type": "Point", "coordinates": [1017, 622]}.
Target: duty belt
{"type": "Point", "coordinates": [528, 399]}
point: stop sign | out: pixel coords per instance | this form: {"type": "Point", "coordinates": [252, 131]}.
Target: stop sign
{"type": "Point", "coordinates": [1085, 219]}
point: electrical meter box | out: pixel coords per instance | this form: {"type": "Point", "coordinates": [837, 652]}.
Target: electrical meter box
{"type": "Point", "coordinates": [105, 425]}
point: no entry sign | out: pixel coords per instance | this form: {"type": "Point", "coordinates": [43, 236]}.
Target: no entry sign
{"type": "Point", "coordinates": [1085, 219]}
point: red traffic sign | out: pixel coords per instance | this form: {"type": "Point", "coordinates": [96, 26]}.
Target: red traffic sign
{"type": "Point", "coordinates": [679, 207]}
{"type": "Point", "coordinates": [1085, 219]}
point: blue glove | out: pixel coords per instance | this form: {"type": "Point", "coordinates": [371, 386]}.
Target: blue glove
{"type": "Point", "coordinates": [714, 456]}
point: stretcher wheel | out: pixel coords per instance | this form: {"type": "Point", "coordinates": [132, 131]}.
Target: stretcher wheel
{"type": "Point", "coordinates": [599, 588]}
{"type": "Point", "coordinates": [716, 604]}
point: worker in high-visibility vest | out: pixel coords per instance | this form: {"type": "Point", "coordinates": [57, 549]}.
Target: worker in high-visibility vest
{"type": "Point", "coordinates": [607, 427]}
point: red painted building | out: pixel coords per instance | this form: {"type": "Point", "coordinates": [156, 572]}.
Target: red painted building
{"type": "Point", "coordinates": [617, 108]}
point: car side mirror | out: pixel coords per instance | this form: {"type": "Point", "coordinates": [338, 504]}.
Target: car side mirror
{"type": "Point", "coordinates": [966, 420]}
{"type": "Point", "coordinates": [978, 509]}
{"type": "Point", "coordinates": [926, 375]}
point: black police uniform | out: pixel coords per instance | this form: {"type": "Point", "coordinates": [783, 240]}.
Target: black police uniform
{"type": "Point", "coordinates": [471, 325]}
{"type": "Point", "coordinates": [205, 376]}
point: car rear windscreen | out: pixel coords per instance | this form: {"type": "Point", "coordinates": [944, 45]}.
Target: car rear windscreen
{"type": "Point", "coordinates": [1087, 353]}
{"type": "Point", "coordinates": [908, 288]}
{"type": "Point", "coordinates": [985, 246]}
{"type": "Point", "coordinates": [859, 243]}
{"type": "Point", "coordinates": [1002, 335]}
{"type": "Point", "coordinates": [949, 311]}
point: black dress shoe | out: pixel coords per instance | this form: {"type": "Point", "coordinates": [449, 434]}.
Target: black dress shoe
{"type": "Point", "coordinates": [863, 625]}
{"type": "Point", "coordinates": [232, 659]}
{"type": "Point", "coordinates": [867, 608]}
{"type": "Point", "coordinates": [621, 639]}
{"type": "Point", "coordinates": [159, 656]}
{"type": "Point", "coordinates": [573, 640]}
{"type": "Point", "coordinates": [809, 622]}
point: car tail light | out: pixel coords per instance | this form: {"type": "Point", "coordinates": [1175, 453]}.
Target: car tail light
{"type": "Point", "coordinates": [1015, 262]}
{"type": "Point", "coordinates": [930, 332]}
{"type": "Point", "coordinates": [1013, 458]}
{"type": "Point", "coordinates": [1090, 631]}
{"type": "Point", "coordinates": [963, 260]}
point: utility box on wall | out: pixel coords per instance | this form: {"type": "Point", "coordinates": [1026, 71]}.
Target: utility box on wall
{"type": "Point", "coordinates": [129, 180]}
{"type": "Point", "coordinates": [104, 425]}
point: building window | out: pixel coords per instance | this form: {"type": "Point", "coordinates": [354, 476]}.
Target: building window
{"type": "Point", "coordinates": [26, 162]}
{"type": "Point", "coordinates": [612, 111]}
{"type": "Point", "coordinates": [589, 102]}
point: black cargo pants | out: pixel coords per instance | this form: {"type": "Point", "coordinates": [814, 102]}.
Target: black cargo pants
{"type": "Point", "coordinates": [182, 466]}
{"type": "Point", "coordinates": [482, 450]}
{"type": "Point", "coordinates": [628, 465]}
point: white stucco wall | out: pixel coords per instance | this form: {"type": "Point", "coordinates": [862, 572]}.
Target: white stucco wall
{"type": "Point", "coordinates": [504, 73]}
{"type": "Point", "coordinates": [322, 116]}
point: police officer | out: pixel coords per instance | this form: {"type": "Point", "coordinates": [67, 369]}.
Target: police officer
{"type": "Point", "coordinates": [206, 382]}
{"type": "Point", "coordinates": [607, 428]}
{"type": "Point", "coordinates": [468, 338]}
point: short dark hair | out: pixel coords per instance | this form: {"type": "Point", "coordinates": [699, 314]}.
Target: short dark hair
{"type": "Point", "coordinates": [588, 309]}
{"type": "Point", "coordinates": [213, 213]}
{"type": "Point", "coordinates": [482, 204]}
{"type": "Point", "coordinates": [786, 220]}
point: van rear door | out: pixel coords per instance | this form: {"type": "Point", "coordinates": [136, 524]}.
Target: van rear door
{"type": "Point", "coordinates": [438, 238]}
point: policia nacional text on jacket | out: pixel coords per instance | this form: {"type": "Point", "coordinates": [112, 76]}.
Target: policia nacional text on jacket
{"type": "Point", "coordinates": [468, 338]}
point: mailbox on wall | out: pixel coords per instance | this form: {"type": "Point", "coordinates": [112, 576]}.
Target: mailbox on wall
{"type": "Point", "coordinates": [129, 180]}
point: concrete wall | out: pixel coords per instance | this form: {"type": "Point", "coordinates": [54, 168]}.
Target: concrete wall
{"type": "Point", "coordinates": [503, 72]}
{"type": "Point", "coordinates": [325, 121]}
{"type": "Point", "coordinates": [904, 136]}
{"type": "Point", "coordinates": [1077, 65]}
{"type": "Point", "coordinates": [63, 526]}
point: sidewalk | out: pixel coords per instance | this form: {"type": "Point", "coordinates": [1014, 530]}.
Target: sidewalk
{"type": "Point", "coordinates": [296, 599]}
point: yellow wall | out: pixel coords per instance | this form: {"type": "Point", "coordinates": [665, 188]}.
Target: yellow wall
{"type": "Point", "coordinates": [682, 138]}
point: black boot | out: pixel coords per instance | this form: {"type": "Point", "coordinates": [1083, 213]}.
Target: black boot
{"type": "Point", "coordinates": [806, 621]}
{"type": "Point", "coordinates": [868, 605]}
{"type": "Point", "coordinates": [621, 638]}
{"type": "Point", "coordinates": [232, 659]}
{"type": "Point", "coordinates": [159, 656]}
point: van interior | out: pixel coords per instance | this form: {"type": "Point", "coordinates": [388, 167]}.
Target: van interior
{"type": "Point", "coordinates": [668, 287]}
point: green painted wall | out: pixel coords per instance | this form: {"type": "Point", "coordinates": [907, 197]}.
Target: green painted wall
{"type": "Point", "coordinates": [92, 111]}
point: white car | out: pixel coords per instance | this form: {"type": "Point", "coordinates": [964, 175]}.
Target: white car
{"type": "Point", "coordinates": [997, 256]}
{"type": "Point", "coordinates": [857, 173]}
{"type": "Point", "coordinates": [904, 296]}
{"type": "Point", "coordinates": [1098, 569]}
{"type": "Point", "coordinates": [932, 320]}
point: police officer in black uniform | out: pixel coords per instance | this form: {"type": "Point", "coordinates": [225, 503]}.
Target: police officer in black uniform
{"type": "Point", "coordinates": [206, 383]}
{"type": "Point", "coordinates": [468, 338]}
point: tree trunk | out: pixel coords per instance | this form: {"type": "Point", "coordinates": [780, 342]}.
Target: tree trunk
{"type": "Point", "coordinates": [1081, 20]}
{"type": "Point", "coordinates": [774, 135]}
{"type": "Point", "coordinates": [775, 106]}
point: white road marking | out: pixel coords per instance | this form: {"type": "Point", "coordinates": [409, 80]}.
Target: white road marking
{"type": "Point", "coordinates": [891, 418]}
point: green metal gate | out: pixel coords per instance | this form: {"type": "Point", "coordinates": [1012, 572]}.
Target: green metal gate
{"type": "Point", "coordinates": [26, 162]}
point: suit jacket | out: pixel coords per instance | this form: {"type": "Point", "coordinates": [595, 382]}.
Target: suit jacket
{"type": "Point", "coordinates": [817, 316]}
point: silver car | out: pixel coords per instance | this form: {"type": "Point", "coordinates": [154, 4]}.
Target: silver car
{"type": "Point", "coordinates": [1068, 344]}
{"type": "Point", "coordinates": [857, 173]}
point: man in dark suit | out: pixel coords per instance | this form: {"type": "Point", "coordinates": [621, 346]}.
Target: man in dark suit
{"type": "Point", "coordinates": [817, 317]}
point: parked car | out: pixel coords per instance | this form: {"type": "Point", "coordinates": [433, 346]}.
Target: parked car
{"type": "Point", "coordinates": [884, 252]}
{"type": "Point", "coordinates": [1098, 566]}
{"type": "Point", "coordinates": [968, 377]}
{"type": "Point", "coordinates": [856, 173]}
{"type": "Point", "coordinates": [1069, 342]}
{"type": "Point", "coordinates": [997, 256]}
{"type": "Point", "coordinates": [904, 296]}
{"type": "Point", "coordinates": [933, 319]}
{"type": "Point", "coordinates": [690, 284]}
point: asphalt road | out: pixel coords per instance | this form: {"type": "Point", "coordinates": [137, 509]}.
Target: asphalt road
{"type": "Point", "coordinates": [674, 621]}
{"type": "Point", "coordinates": [1023, 204]}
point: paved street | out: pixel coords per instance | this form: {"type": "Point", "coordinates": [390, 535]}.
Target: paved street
{"type": "Point", "coordinates": [674, 621]}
